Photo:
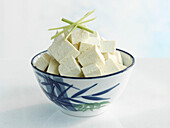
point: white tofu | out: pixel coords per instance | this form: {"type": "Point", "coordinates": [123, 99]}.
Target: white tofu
{"type": "Point", "coordinates": [65, 34]}
{"type": "Point", "coordinates": [110, 56]}
{"type": "Point", "coordinates": [61, 49]}
{"type": "Point", "coordinates": [46, 56]}
{"type": "Point", "coordinates": [53, 67]}
{"type": "Point", "coordinates": [102, 38]}
{"type": "Point", "coordinates": [121, 67]}
{"type": "Point", "coordinates": [91, 70]}
{"type": "Point", "coordinates": [109, 67]}
{"type": "Point", "coordinates": [91, 56]}
{"type": "Point", "coordinates": [107, 55]}
{"type": "Point", "coordinates": [119, 57]}
{"type": "Point", "coordinates": [78, 35]}
{"type": "Point", "coordinates": [93, 39]}
{"type": "Point", "coordinates": [70, 67]}
{"type": "Point", "coordinates": [95, 34]}
{"type": "Point", "coordinates": [107, 46]}
{"type": "Point", "coordinates": [43, 62]}
{"type": "Point", "coordinates": [84, 46]}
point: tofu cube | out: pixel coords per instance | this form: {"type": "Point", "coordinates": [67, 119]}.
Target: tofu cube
{"type": "Point", "coordinates": [78, 35]}
{"type": "Point", "coordinates": [43, 62]}
{"type": "Point", "coordinates": [119, 57]}
{"type": "Point", "coordinates": [95, 34]}
{"type": "Point", "coordinates": [110, 56]}
{"type": "Point", "coordinates": [91, 70]}
{"type": "Point", "coordinates": [102, 38]}
{"type": "Point", "coordinates": [91, 56]}
{"type": "Point", "coordinates": [61, 49]}
{"type": "Point", "coordinates": [121, 67]}
{"type": "Point", "coordinates": [70, 67]}
{"type": "Point", "coordinates": [65, 35]}
{"type": "Point", "coordinates": [93, 39]}
{"type": "Point", "coordinates": [53, 67]}
{"type": "Point", "coordinates": [46, 56]}
{"type": "Point", "coordinates": [84, 46]}
{"type": "Point", "coordinates": [109, 67]}
{"type": "Point", "coordinates": [69, 39]}
{"type": "Point", "coordinates": [107, 55]}
{"type": "Point", "coordinates": [107, 46]}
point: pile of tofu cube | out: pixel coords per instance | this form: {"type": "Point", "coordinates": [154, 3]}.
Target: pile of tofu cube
{"type": "Point", "coordinates": [82, 55]}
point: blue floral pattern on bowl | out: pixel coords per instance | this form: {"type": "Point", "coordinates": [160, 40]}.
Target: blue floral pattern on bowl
{"type": "Point", "coordinates": [84, 96]}
{"type": "Point", "coordinates": [61, 98]}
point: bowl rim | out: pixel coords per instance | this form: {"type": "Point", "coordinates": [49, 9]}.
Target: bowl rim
{"type": "Point", "coordinates": [96, 77]}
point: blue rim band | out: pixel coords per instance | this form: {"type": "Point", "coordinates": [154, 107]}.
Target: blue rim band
{"type": "Point", "coordinates": [133, 62]}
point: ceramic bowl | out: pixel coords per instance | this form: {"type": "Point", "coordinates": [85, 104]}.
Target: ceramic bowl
{"type": "Point", "coordinates": [88, 96]}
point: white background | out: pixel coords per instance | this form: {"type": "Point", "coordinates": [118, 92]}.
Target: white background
{"type": "Point", "coordinates": [141, 27]}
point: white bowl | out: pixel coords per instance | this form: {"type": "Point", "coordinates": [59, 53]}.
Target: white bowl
{"type": "Point", "coordinates": [87, 96]}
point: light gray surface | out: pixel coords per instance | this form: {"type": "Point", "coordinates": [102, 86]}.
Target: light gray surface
{"type": "Point", "coordinates": [144, 104]}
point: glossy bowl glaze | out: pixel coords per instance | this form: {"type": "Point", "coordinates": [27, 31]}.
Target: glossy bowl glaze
{"type": "Point", "coordinates": [88, 96]}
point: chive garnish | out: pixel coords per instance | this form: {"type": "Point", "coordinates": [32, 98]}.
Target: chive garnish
{"type": "Point", "coordinates": [73, 25]}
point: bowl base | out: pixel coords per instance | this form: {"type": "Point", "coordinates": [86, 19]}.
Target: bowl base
{"type": "Point", "coordinates": [84, 114]}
